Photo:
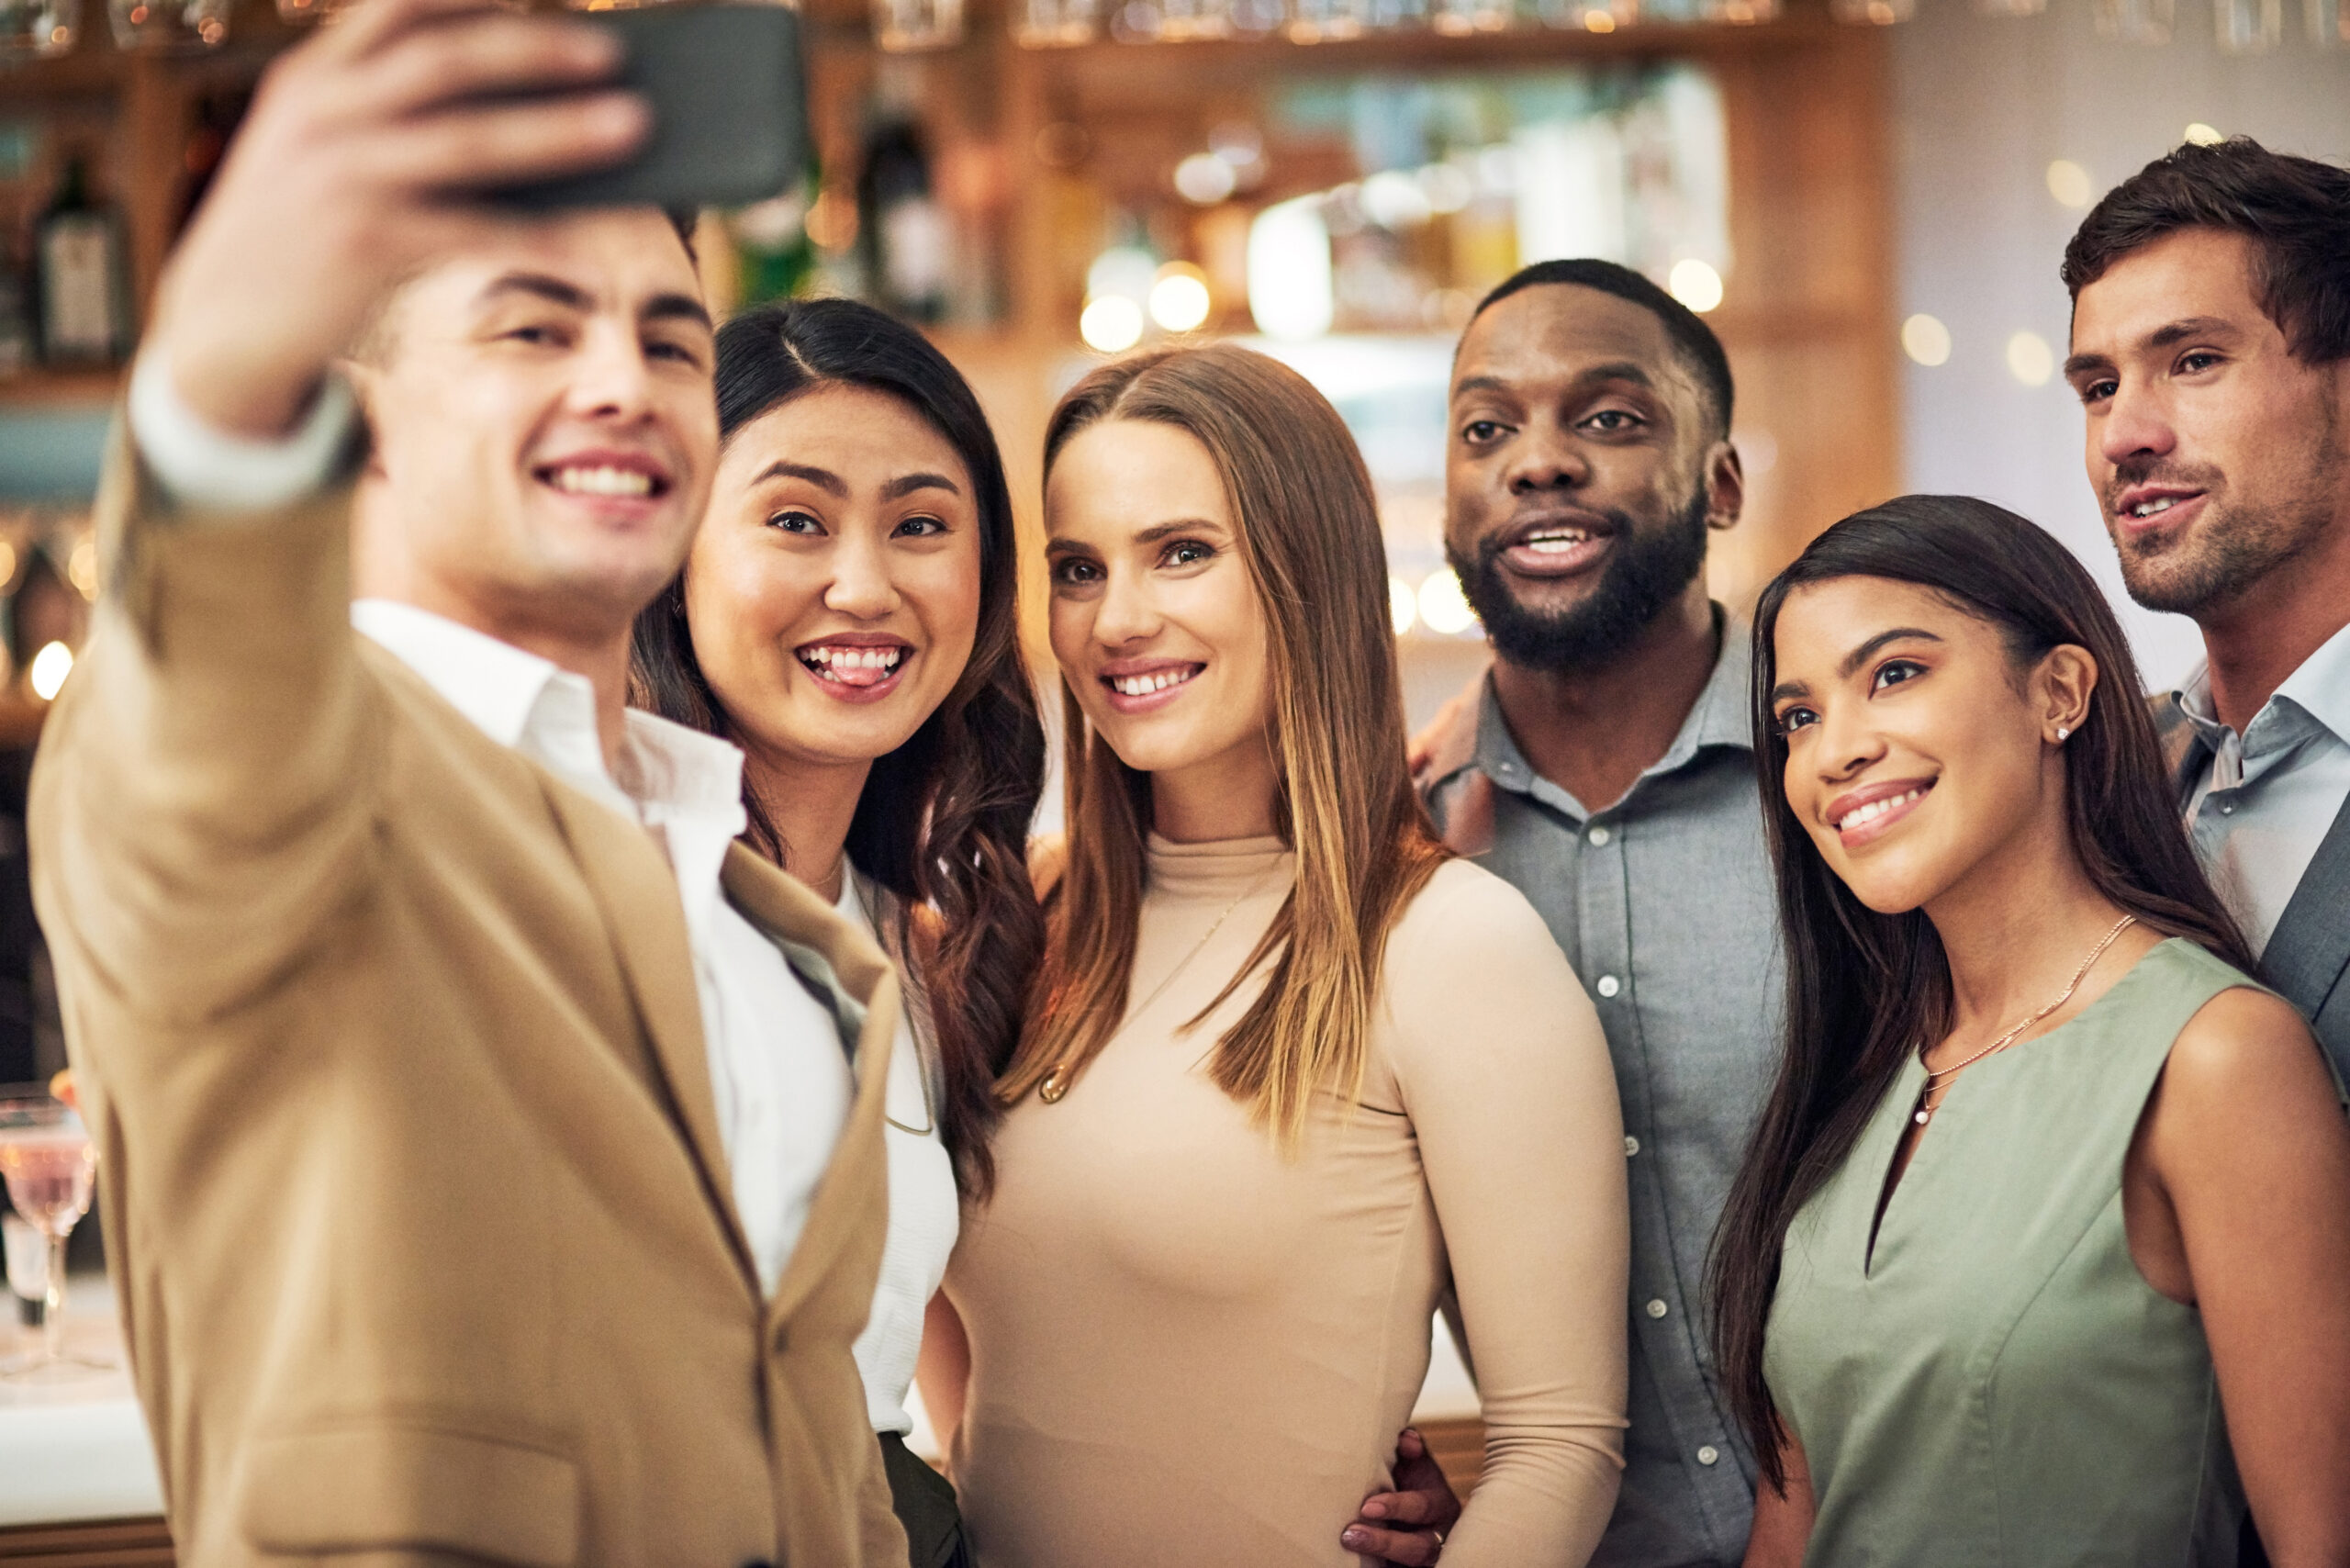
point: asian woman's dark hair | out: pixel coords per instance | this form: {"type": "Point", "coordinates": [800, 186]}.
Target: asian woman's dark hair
{"type": "Point", "coordinates": [1864, 990]}
{"type": "Point", "coordinates": [944, 819]}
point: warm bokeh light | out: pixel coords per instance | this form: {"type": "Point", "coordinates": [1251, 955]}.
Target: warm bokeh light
{"type": "Point", "coordinates": [1291, 292]}
{"type": "Point", "coordinates": [2202, 135]}
{"type": "Point", "coordinates": [1110, 324]}
{"type": "Point", "coordinates": [2030, 359]}
{"type": "Point", "coordinates": [1444, 607]}
{"type": "Point", "coordinates": [7, 563]}
{"type": "Point", "coordinates": [50, 666]}
{"type": "Point", "coordinates": [82, 568]}
{"type": "Point", "coordinates": [1696, 284]}
{"type": "Point", "coordinates": [1925, 340]}
{"type": "Point", "coordinates": [1179, 300]}
{"type": "Point", "coordinates": [2069, 182]}
{"type": "Point", "coordinates": [1402, 605]}
{"type": "Point", "coordinates": [1203, 179]}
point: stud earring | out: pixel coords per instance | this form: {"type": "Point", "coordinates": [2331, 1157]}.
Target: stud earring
{"type": "Point", "coordinates": [2062, 733]}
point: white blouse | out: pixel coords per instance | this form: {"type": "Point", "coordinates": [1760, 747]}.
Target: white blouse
{"type": "Point", "coordinates": [924, 1210]}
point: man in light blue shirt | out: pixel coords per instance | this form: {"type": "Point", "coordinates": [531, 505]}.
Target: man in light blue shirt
{"type": "Point", "coordinates": [2211, 349]}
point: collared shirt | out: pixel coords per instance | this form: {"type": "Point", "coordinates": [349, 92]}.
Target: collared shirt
{"type": "Point", "coordinates": [2258, 813]}
{"type": "Point", "coordinates": [782, 1082]}
{"type": "Point", "coordinates": [1664, 902]}
{"type": "Point", "coordinates": [925, 1210]}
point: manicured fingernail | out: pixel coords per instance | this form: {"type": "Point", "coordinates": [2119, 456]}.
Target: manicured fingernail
{"type": "Point", "coordinates": [1354, 1537]}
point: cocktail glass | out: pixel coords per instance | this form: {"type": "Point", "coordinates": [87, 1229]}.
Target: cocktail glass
{"type": "Point", "coordinates": [49, 1168]}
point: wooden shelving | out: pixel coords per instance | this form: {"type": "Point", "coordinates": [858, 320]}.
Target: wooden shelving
{"type": "Point", "coordinates": [60, 389]}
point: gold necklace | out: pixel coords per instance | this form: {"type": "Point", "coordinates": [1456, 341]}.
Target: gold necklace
{"type": "Point", "coordinates": [1934, 1076]}
{"type": "Point", "coordinates": [1055, 1085]}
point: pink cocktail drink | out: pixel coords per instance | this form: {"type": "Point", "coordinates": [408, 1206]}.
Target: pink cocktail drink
{"type": "Point", "coordinates": [50, 1167]}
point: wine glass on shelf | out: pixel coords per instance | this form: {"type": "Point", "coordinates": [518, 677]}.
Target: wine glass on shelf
{"type": "Point", "coordinates": [49, 1168]}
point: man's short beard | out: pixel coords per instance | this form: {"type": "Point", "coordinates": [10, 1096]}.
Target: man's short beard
{"type": "Point", "coordinates": [2185, 576]}
{"type": "Point", "coordinates": [1645, 573]}
{"type": "Point", "coordinates": [2235, 549]}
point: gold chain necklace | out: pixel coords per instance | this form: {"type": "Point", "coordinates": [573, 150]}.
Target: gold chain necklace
{"type": "Point", "coordinates": [1936, 1077]}
{"type": "Point", "coordinates": [1055, 1085]}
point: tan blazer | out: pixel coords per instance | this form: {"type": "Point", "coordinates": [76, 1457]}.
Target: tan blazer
{"type": "Point", "coordinates": [411, 1175]}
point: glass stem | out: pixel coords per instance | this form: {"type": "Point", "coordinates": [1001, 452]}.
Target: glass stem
{"type": "Point", "coordinates": [52, 1319]}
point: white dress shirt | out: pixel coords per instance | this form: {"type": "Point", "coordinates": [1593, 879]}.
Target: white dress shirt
{"type": "Point", "coordinates": [779, 1070]}
{"type": "Point", "coordinates": [2260, 812]}
{"type": "Point", "coordinates": [925, 1207]}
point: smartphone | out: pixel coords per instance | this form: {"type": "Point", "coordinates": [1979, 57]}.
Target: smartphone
{"type": "Point", "coordinates": [730, 114]}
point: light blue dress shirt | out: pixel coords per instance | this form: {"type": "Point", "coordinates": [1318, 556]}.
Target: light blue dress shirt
{"type": "Point", "coordinates": [2271, 793]}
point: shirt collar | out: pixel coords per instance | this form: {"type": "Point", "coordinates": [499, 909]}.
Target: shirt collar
{"type": "Point", "coordinates": [672, 775]}
{"type": "Point", "coordinates": [493, 684]}
{"type": "Point", "coordinates": [2322, 685]}
{"type": "Point", "coordinates": [2319, 688]}
{"type": "Point", "coordinates": [1718, 717]}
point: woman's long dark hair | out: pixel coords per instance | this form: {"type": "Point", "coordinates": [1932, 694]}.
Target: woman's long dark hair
{"type": "Point", "coordinates": [944, 819]}
{"type": "Point", "coordinates": [1866, 990]}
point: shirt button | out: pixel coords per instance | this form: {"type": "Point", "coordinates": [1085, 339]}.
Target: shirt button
{"type": "Point", "coordinates": [1657, 1309]}
{"type": "Point", "coordinates": [1609, 985]}
{"type": "Point", "coordinates": [1709, 1455]}
{"type": "Point", "coordinates": [1600, 835]}
{"type": "Point", "coordinates": [2227, 808]}
{"type": "Point", "coordinates": [1631, 1146]}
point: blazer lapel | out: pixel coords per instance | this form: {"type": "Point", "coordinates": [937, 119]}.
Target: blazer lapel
{"type": "Point", "coordinates": [2311, 945]}
{"type": "Point", "coordinates": [638, 894]}
{"type": "Point", "coordinates": [2184, 753]}
{"type": "Point", "coordinates": [865, 1004]}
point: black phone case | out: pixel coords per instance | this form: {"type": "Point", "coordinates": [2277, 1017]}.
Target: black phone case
{"type": "Point", "coordinates": [730, 117]}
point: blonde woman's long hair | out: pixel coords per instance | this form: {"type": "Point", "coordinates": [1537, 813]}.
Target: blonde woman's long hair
{"type": "Point", "coordinates": [1308, 531]}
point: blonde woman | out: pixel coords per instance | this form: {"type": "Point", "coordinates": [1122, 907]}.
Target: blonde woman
{"type": "Point", "coordinates": [1291, 1072]}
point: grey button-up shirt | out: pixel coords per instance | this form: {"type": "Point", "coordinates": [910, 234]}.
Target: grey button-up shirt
{"type": "Point", "coordinates": [1664, 902]}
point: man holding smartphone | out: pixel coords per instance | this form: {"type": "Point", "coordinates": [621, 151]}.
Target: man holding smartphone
{"type": "Point", "coordinates": [493, 1151]}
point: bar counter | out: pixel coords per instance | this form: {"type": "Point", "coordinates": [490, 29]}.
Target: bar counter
{"type": "Point", "coordinates": [77, 1475]}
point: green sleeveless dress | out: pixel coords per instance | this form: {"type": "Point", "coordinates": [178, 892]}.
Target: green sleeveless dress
{"type": "Point", "coordinates": [1999, 1384]}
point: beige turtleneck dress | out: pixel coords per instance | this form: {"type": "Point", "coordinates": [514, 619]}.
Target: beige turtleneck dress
{"type": "Point", "coordinates": [1188, 1349]}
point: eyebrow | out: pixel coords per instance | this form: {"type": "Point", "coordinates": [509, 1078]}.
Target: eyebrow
{"type": "Point", "coordinates": [674, 307]}
{"type": "Point", "coordinates": [570, 296]}
{"type": "Point", "coordinates": [1856, 658]}
{"type": "Point", "coordinates": [1151, 535]}
{"type": "Point", "coordinates": [1861, 655]}
{"type": "Point", "coordinates": [824, 479]}
{"type": "Point", "coordinates": [1597, 375]}
{"type": "Point", "coordinates": [906, 484]}
{"type": "Point", "coordinates": [2163, 337]}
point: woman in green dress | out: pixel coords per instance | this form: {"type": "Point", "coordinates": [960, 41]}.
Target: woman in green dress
{"type": "Point", "coordinates": [2041, 1252]}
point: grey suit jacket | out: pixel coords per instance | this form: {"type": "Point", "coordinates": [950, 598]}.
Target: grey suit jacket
{"type": "Point", "coordinates": [2307, 957]}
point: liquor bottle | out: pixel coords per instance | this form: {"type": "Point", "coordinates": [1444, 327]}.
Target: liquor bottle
{"type": "Point", "coordinates": [84, 299]}
{"type": "Point", "coordinates": [775, 256]}
{"type": "Point", "coordinates": [903, 229]}
{"type": "Point", "coordinates": [18, 347]}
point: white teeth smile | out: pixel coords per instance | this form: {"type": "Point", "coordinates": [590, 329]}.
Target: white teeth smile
{"type": "Point", "coordinates": [1144, 685]}
{"type": "Point", "coordinates": [1860, 816]}
{"type": "Point", "coordinates": [603, 481]}
{"type": "Point", "coordinates": [854, 666]}
{"type": "Point", "coordinates": [1556, 540]}
{"type": "Point", "coordinates": [2154, 508]}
